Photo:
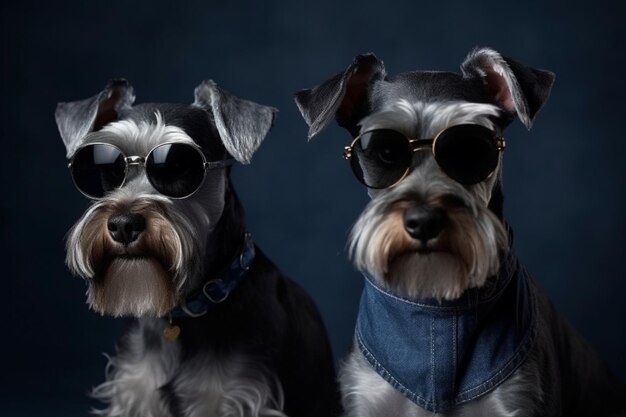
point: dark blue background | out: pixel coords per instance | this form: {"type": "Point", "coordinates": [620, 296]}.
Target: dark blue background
{"type": "Point", "coordinates": [564, 181]}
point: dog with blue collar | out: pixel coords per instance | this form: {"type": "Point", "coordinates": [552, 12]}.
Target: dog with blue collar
{"type": "Point", "coordinates": [450, 323]}
{"type": "Point", "coordinates": [216, 329]}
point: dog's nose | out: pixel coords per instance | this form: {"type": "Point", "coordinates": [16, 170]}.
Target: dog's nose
{"type": "Point", "coordinates": [424, 223]}
{"type": "Point", "coordinates": [126, 227]}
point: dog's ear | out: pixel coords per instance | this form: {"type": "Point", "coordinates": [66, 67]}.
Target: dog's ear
{"type": "Point", "coordinates": [77, 118]}
{"type": "Point", "coordinates": [517, 88]}
{"type": "Point", "coordinates": [242, 124]}
{"type": "Point", "coordinates": [344, 96]}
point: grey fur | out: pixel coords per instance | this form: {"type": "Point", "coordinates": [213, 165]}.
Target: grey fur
{"type": "Point", "coordinates": [230, 359]}
{"type": "Point", "coordinates": [562, 375]}
{"type": "Point", "coordinates": [190, 218]}
{"type": "Point", "coordinates": [418, 277]}
{"type": "Point", "coordinates": [364, 88]}
{"type": "Point", "coordinates": [526, 87]}
{"type": "Point", "coordinates": [322, 103]}
{"type": "Point", "coordinates": [77, 118]}
{"type": "Point", "coordinates": [229, 385]}
{"type": "Point", "coordinates": [367, 394]}
{"type": "Point", "coordinates": [425, 183]}
{"type": "Point", "coordinates": [242, 124]}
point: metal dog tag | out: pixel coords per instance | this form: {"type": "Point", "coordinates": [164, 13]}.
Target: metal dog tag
{"type": "Point", "coordinates": [171, 332]}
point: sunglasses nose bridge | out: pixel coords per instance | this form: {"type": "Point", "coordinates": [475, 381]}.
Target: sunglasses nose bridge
{"type": "Point", "coordinates": [418, 145]}
{"type": "Point", "coordinates": [422, 150]}
{"type": "Point", "coordinates": [134, 166]}
{"type": "Point", "coordinates": [135, 160]}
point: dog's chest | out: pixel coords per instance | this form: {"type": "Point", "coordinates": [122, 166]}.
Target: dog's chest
{"type": "Point", "coordinates": [152, 377]}
{"type": "Point", "coordinates": [367, 394]}
{"type": "Point", "coordinates": [233, 385]}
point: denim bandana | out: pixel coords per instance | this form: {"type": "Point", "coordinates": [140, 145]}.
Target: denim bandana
{"type": "Point", "coordinates": [443, 353]}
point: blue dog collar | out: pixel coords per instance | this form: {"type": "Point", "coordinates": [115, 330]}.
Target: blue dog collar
{"type": "Point", "coordinates": [443, 353]}
{"type": "Point", "coordinates": [217, 290]}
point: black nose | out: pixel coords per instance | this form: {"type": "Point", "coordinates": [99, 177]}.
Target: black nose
{"type": "Point", "coordinates": [126, 227]}
{"type": "Point", "coordinates": [424, 223]}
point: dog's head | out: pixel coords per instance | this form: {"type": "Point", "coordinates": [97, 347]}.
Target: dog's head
{"type": "Point", "coordinates": [429, 146]}
{"type": "Point", "coordinates": [158, 177]}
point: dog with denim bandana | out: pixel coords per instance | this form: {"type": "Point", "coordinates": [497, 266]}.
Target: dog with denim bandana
{"type": "Point", "coordinates": [217, 329]}
{"type": "Point", "coordinates": [450, 323]}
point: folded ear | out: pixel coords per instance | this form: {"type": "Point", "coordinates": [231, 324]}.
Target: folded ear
{"type": "Point", "coordinates": [517, 88]}
{"type": "Point", "coordinates": [77, 118]}
{"type": "Point", "coordinates": [242, 124]}
{"type": "Point", "coordinates": [344, 96]}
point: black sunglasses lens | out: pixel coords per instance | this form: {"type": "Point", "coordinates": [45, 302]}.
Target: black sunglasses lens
{"type": "Point", "coordinates": [98, 169]}
{"type": "Point", "coordinates": [175, 169]}
{"type": "Point", "coordinates": [467, 153]}
{"type": "Point", "coordinates": [380, 158]}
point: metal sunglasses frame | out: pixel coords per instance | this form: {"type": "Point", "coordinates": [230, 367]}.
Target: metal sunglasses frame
{"type": "Point", "coordinates": [417, 145]}
{"type": "Point", "coordinates": [141, 161]}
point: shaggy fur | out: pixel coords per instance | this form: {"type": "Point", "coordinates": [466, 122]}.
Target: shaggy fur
{"type": "Point", "coordinates": [263, 350]}
{"type": "Point", "coordinates": [562, 375]}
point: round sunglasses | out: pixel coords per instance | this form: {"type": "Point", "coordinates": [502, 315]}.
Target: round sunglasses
{"type": "Point", "coordinates": [467, 153]}
{"type": "Point", "coordinates": [176, 170]}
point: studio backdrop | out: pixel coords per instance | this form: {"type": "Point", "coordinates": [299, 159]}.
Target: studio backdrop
{"type": "Point", "coordinates": [563, 180]}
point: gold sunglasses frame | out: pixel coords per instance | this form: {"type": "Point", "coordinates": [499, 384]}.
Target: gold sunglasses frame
{"type": "Point", "coordinates": [416, 146]}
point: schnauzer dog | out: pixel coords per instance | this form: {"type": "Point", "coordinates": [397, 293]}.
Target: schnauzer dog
{"type": "Point", "coordinates": [449, 323]}
{"type": "Point", "coordinates": [217, 329]}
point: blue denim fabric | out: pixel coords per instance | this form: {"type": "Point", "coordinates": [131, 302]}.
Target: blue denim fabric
{"type": "Point", "coordinates": [443, 353]}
